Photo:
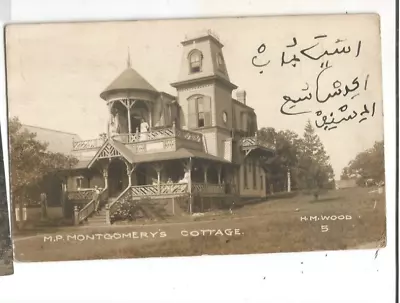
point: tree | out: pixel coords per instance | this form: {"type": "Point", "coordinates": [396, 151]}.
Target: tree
{"type": "Point", "coordinates": [305, 158]}
{"type": "Point", "coordinates": [285, 159]}
{"type": "Point", "coordinates": [368, 165]}
{"type": "Point", "coordinates": [345, 174]}
{"type": "Point", "coordinates": [31, 162]}
{"type": "Point", "coordinates": [315, 171]}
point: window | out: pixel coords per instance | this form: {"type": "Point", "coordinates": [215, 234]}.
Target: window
{"type": "Point", "coordinates": [261, 182]}
{"type": "Point", "coordinates": [201, 119]}
{"type": "Point", "coordinates": [195, 60]}
{"type": "Point", "coordinates": [199, 112]}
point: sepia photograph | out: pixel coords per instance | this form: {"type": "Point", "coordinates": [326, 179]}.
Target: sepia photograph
{"type": "Point", "coordinates": [220, 136]}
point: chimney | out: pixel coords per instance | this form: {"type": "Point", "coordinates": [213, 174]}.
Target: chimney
{"type": "Point", "coordinates": [241, 96]}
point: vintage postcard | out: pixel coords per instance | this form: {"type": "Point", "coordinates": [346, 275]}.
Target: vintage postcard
{"type": "Point", "coordinates": [195, 137]}
{"type": "Point", "coordinates": [6, 256]}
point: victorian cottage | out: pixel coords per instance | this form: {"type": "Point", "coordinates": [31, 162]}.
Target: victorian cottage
{"type": "Point", "coordinates": [186, 153]}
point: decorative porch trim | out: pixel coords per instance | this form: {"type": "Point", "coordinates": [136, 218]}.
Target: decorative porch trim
{"type": "Point", "coordinates": [109, 150]}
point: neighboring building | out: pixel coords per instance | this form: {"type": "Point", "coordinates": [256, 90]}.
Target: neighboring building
{"type": "Point", "coordinates": [350, 183]}
{"type": "Point", "coordinates": [200, 144]}
{"type": "Point", "coordinates": [57, 142]}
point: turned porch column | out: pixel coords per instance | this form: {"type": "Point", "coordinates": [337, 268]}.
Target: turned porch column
{"type": "Point", "coordinates": [105, 175]}
{"type": "Point", "coordinates": [129, 118]}
{"type": "Point", "coordinates": [188, 169]}
{"type": "Point", "coordinates": [158, 168]}
{"type": "Point", "coordinates": [219, 173]}
{"type": "Point", "coordinates": [130, 168]}
{"type": "Point", "coordinates": [150, 107]}
{"type": "Point", "coordinates": [205, 171]}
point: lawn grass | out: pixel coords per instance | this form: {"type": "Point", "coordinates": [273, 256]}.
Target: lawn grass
{"type": "Point", "coordinates": [268, 227]}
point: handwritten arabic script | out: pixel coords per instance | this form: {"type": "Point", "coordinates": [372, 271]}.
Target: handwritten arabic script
{"type": "Point", "coordinates": [330, 83]}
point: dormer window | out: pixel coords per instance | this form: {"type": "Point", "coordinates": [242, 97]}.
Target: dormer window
{"type": "Point", "coordinates": [195, 61]}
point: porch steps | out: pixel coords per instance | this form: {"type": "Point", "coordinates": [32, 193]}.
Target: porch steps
{"type": "Point", "coordinates": [97, 219]}
{"type": "Point", "coordinates": [100, 218]}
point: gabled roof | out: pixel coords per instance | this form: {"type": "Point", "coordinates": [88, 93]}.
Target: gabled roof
{"type": "Point", "coordinates": [58, 141]}
{"type": "Point", "coordinates": [114, 149]}
{"type": "Point", "coordinates": [129, 79]}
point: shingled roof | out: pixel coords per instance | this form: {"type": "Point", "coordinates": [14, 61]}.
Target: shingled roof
{"type": "Point", "coordinates": [58, 141]}
{"type": "Point", "coordinates": [129, 79]}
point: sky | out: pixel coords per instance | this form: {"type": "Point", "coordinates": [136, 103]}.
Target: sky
{"type": "Point", "coordinates": [56, 72]}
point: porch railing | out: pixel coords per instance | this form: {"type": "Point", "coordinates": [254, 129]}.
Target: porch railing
{"type": "Point", "coordinates": [163, 133]}
{"type": "Point", "coordinates": [203, 188]}
{"type": "Point", "coordinates": [159, 134]}
{"type": "Point", "coordinates": [159, 189]}
{"type": "Point", "coordinates": [124, 197]}
{"type": "Point", "coordinates": [89, 208]}
{"type": "Point", "coordinates": [82, 194]}
{"type": "Point", "coordinates": [165, 189]}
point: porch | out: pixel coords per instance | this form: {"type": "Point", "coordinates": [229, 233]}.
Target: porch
{"type": "Point", "coordinates": [170, 177]}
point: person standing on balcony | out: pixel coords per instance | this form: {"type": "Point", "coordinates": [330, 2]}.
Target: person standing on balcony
{"type": "Point", "coordinates": [96, 198]}
{"type": "Point", "coordinates": [144, 128]}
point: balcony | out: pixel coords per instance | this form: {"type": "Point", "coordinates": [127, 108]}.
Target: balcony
{"type": "Point", "coordinates": [155, 140]}
{"type": "Point", "coordinates": [250, 143]}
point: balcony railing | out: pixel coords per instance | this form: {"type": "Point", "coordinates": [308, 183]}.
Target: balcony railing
{"type": "Point", "coordinates": [153, 135]}
{"type": "Point", "coordinates": [256, 141]}
{"type": "Point", "coordinates": [87, 144]}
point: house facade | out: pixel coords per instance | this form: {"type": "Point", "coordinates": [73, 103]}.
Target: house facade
{"type": "Point", "coordinates": [193, 151]}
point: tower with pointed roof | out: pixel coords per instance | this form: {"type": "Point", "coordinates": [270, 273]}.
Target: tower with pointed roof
{"type": "Point", "coordinates": [131, 99]}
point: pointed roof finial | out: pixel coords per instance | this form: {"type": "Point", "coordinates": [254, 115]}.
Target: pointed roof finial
{"type": "Point", "coordinates": [128, 61]}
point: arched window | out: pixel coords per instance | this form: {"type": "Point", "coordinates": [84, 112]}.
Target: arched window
{"type": "Point", "coordinates": [195, 61]}
{"type": "Point", "coordinates": [199, 112]}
